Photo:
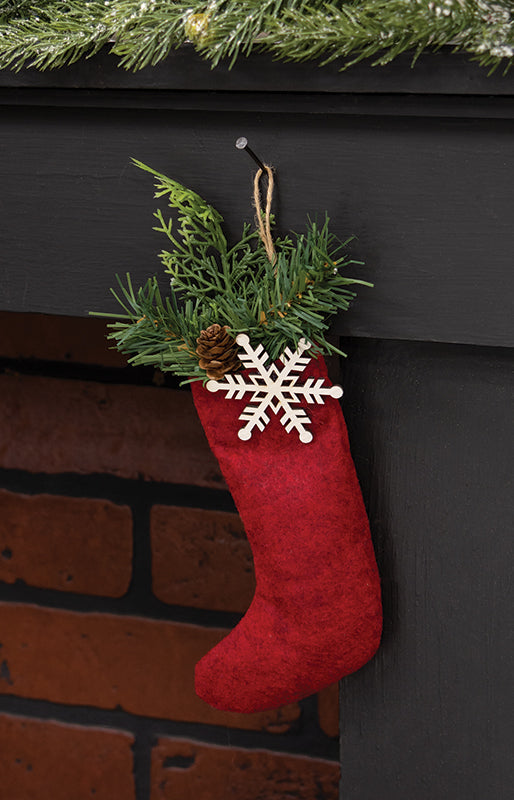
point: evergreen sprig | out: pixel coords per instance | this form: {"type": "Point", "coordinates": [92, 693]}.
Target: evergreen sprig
{"type": "Point", "coordinates": [52, 33]}
{"type": "Point", "coordinates": [383, 29]}
{"type": "Point", "coordinates": [49, 34]}
{"type": "Point", "coordinates": [211, 282]}
{"type": "Point", "coordinates": [15, 8]}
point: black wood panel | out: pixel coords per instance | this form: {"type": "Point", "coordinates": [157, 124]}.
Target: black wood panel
{"type": "Point", "coordinates": [430, 201]}
{"type": "Point", "coordinates": [381, 105]}
{"type": "Point", "coordinates": [444, 72]}
{"type": "Point", "coordinates": [432, 434]}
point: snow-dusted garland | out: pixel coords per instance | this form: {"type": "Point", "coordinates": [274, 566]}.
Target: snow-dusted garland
{"type": "Point", "coordinates": [52, 33]}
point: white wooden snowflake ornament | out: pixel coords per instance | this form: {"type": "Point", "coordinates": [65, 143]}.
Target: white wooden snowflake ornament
{"type": "Point", "coordinates": [274, 388]}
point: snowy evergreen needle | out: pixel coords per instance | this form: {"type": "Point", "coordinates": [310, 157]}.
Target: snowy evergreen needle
{"type": "Point", "coordinates": [52, 33]}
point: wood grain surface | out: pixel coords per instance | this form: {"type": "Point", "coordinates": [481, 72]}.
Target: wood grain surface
{"type": "Point", "coordinates": [429, 199]}
{"type": "Point", "coordinates": [432, 437]}
{"type": "Point", "coordinates": [442, 73]}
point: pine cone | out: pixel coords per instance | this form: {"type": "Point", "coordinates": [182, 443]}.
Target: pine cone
{"type": "Point", "coordinates": [217, 351]}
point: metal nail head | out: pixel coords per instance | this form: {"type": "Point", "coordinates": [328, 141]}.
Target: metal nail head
{"type": "Point", "coordinates": [242, 144]}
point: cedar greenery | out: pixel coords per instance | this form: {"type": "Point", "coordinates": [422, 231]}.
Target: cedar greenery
{"type": "Point", "coordinates": [52, 33]}
{"type": "Point", "coordinates": [214, 283]}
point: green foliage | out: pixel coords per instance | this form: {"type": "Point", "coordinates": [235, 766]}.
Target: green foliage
{"type": "Point", "coordinates": [212, 282]}
{"type": "Point", "coordinates": [50, 33]}
{"type": "Point", "coordinates": [15, 8]}
{"type": "Point", "coordinates": [382, 29]}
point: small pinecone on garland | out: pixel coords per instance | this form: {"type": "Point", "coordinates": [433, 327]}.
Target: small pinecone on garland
{"type": "Point", "coordinates": [217, 351]}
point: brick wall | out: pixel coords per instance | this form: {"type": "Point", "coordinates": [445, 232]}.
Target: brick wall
{"type": "Point", "coordinates": [122, 561]}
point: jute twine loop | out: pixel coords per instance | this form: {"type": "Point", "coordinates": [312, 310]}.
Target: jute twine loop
{"type": "Point", "coordinates": [263, 219]}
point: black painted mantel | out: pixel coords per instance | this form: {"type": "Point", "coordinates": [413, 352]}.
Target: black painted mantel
{"type": "Point", "coordinates": [418, 164]}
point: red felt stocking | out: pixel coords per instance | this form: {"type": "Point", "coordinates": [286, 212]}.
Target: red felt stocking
{"type": "Point", "coordinates": [316, 614]}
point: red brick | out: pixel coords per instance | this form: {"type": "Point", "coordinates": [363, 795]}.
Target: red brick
{"type": "Point", "coordinates": [67, 543]}
{"type": "Point", "coordinates": [201, 558]}
{"type": "Point", "coordinates": [52, 425]}
{"type": "Point", "coordinates": [55, 338]}
{"type": "Point", "coordinates": [44, 760]}
{"type": "Point", "coordinates": [144, 666]}
{"type": "Point", "coordinates": [328, 710]}
{"type": "Point", "coordinates": [184, 769]}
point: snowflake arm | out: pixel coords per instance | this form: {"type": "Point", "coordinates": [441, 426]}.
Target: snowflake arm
{"type": "Point", "coordinates": [274, 388]}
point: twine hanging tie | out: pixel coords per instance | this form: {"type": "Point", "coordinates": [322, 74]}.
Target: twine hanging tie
{"type": "Point", "coordinates": [263, 215]}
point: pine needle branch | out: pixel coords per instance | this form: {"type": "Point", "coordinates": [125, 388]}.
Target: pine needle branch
{"type": "Point", "coordinates": [275, 304]}
{"type": "Point", "coordinates": [143, 32]}
{"type": "Point", "coordinates": [53, 34]}
{"type": "Point", "coordinates": [146, 32]}
{"type": "Point", "coordinates": [11, 9]}
{"type": "Point", "coordinates": [383, 29]}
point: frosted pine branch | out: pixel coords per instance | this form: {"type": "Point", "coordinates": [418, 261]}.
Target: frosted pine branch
{"type": "Point", "coordinates": [52, 33]}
